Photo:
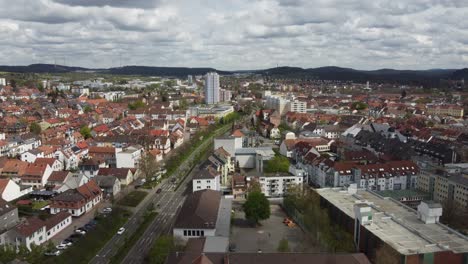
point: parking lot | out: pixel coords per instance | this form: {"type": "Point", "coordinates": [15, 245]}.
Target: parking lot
{"type": "Point", "coordinates": [267, 236]}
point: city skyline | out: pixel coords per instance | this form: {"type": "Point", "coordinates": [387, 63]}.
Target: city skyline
{"type": "Point", "coordinates": [235, 35]}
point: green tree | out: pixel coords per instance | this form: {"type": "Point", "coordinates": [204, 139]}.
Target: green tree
{"type": "Point", "coordinates": [87, 109]}
{"type": "Point", "coordinates": [278, 164]}
{"type": "Point", "coordinates": [85, 131]}
{"type": "Point", "coordinates": [7, 253]}
{"type": "Point", "coordinates": [283, 246]}
{"type": "Point", "coordinates": [148, 166]}
{"type": "Point", "coordinates": [256, 207]}
{"type": "Point", "coordinates": [135, 105]}
{"type": "Point", "coordinates": [359, 105]}
{"type": "Point", "coordinates": [35, 128]}
{"type": "Point", "coordinates": [161, 249]}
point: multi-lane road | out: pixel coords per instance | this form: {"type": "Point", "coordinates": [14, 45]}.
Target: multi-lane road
{"type": "Point", "coordinates": [169, 204]}
{"type": "Point", "coordinates": [169, 201]}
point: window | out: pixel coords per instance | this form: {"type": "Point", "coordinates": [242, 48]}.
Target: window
{"type": "Point", "coordinates": [185, 233]}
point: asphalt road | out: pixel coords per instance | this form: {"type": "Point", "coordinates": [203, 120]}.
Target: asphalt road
{"type": "Point", "coordinates": [169, 202]}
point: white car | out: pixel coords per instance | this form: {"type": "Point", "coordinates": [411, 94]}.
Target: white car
{"type": "Point", "coordinates": [61, 247]}
{"type": "Point", "coordinates": [107, 210]}
{"type": "Point", "coordinates": [80, 231]}
{"type": "Point", "coordinates": [121, 231]}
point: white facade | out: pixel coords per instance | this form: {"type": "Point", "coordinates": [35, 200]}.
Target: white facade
{"type": "Point", "coordinates": [13, 191]}
{"type": "Point", "coordinates": [211, 88]}
{"type": "Point", "coordinates": [230, 144]}
{"type": "Point", "coordinates": [31, 157]}
{"type": "Point", "coordinates": [297, 106]}
{"type": "Point", "coordinates": [276, 186]}
{"type": "Point", "coordinates": [59, 227]}
{"type": "Point", "coordinates": [277, 102]}
{"type": "Point", "coordinates": [128, 157]}
{"type": "Point", "coordinates": [185, 234]}
{"type": "Point", "coordinates": [204, 184]}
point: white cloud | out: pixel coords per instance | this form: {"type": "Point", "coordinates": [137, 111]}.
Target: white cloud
{"type": "Point", "coordinates": [241, 34]}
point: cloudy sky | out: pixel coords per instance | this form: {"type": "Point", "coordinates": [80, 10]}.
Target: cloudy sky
{"type": "Point", "coordinates": [236, 34]}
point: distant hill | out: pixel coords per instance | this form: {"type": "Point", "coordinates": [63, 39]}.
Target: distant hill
{"type": "Point", "coordinates": [161, 71]}
{"type": "Point", "coordinates": [416, 77]}
{"type": "Point", "coordinates": [126, 70]}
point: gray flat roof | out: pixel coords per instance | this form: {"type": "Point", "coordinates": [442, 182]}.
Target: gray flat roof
{"type": "Point", "coordinates": [216, 244]}
{"type": "Point", "coordinates": [223, 222]}
{"type": "Point", "coordinates": [398, 225]}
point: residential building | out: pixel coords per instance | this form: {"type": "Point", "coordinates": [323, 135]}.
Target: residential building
{"type": "Point", "coordinates": [109, 184]}
{"type": "Point", "coordinates": [446, 110]}
{"type": "Point", "coordinates": [125, 175]}
{"type": "Point", "coordinates": [444, 184]}
{"type": "Point", "coordinates": [278, 103]}
{"type": "Point", "coordinates": [297, 106]}
{"type": "Point", "coordinates": [276, 185]}
{"type": "Point", "coordinates": [10, 190]}
{"type": "Point", "coordinates": [129, 157]}
{"type": "Point", "coordinates": [207, 178]}
{"type": "Point", "coordinates": [77, 201]}
{"type": "Point", "coordinates": [8, 219]}
{"type": "Point", "coordinates": [57, 223]}
{"type": "Point", "coordinates": [225, 95]}
{"type": "Point", "coordinates": [211, 88]}
{"type": "Point", "coordinates": [31, 231]}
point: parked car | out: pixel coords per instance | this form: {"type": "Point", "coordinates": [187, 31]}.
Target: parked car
{"type": "Point", "coordinates": [54, 252]}
{"type": "Point", "coordinates": [61, 247]}
{"type": "Point", "coordinates": [76, 235]}
{"type": "Point", "coordinates": [89, 226]}
{"type": "Point", "coordinates": [67, 243]}
{"type": "Point", "coordinates": [80, 231]}
{"type": "Point", "coordinates": [121, 231]}
{"type": "Point", "coordinates": [107, 210]}
{"type": "Point", "coordinates": [92, 223]}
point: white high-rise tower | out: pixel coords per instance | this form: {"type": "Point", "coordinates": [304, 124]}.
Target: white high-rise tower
{"type": "Point", "coordinates": [211, 88]}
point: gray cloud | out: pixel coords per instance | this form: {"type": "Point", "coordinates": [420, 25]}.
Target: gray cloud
{"type": "Point", "coordinates": [241, 34]}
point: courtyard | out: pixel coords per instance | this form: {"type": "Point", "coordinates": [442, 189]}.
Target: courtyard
{"type": "Point", "coordinates": [266, 238]}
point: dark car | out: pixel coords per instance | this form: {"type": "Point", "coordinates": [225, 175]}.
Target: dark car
{"type": "Point", "coordinates": [158, 190]}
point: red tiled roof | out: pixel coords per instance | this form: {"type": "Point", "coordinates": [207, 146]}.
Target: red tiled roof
{"type": "Point", "coordinates": [89, 190]}
{"type": "Point", "coordinates": [58, 176]}
{"type": "Point", "coordinates": [3, 185]}
{"type": "Point", "coordinates": [29, 226]}
{"type": "Point", "coordinates": [56, 219]}
{"type": "Point", "coordinates": [110, 150]}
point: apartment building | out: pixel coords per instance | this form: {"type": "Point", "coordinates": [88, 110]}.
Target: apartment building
{"type": "Point", "coordinates": [444, 185]}
{"type": "Point", "coordinates": [276, 185]}
{"type": "Point", "coordinates": [446, 110]}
